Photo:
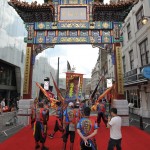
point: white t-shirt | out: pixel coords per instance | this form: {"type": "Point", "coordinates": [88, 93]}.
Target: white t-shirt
{"type": "Point", "coordinates": [115, 129]}
{"type": "Point", "coordinates": [2, 104]}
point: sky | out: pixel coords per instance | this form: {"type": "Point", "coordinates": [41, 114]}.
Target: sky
{"type": "Point", "coordinates": [82, 57]}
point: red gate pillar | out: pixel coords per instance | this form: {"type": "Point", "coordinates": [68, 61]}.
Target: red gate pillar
{"type": "Point", "coordinates": [119, 100]}
{"type": "Point", "coordinates": [27, 101]}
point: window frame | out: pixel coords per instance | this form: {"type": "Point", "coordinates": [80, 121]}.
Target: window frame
{"type": "Point", "coordinates": [129, 31]}
{"type": "Point", "coordinates": [144, 52]}
{"type": "Point", "coordinates": [124, 64]}
{"type": "Point", "coordinates": [139, 16]}
{"type": "Point", "coordinates": [131, 57]}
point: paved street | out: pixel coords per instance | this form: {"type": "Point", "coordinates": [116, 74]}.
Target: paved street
{"type": "Point", "coordinates": [87, 52]}
{"type": "Point", "coordinates": [135, 121]}
{"type": "Point", "coordinates": [10, 132]}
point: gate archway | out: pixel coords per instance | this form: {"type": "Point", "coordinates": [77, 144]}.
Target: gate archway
{"type": "Point", "coordinates": [73, 22]}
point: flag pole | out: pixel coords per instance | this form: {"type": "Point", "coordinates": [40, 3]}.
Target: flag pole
{"type": "Point", "coordinates": [58, 76]}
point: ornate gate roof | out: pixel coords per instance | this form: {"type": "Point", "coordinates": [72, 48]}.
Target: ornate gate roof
{"type": "Point", "coordinates": [112, 12]}
{"type": "Point", "coordinates": [33, 12]}
{"type": "Point", "coordinates": [45, 12]}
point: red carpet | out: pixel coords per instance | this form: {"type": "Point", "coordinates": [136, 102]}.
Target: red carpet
{"type": "Point", "coordinates": [133, 139]}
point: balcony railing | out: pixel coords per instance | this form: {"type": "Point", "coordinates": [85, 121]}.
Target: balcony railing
{"type": "Point", "coordinates": [134, 76]}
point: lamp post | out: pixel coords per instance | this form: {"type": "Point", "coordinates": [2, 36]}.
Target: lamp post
{"type": "Point", "coordinates": [145, 20]}
{"type": "Point", "coordinates": [141, 112]}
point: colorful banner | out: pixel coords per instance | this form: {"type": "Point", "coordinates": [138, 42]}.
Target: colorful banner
{"type": "Point", "coordinates": [119, 70]}
{"type": "Point", "coordinates": [27, 71]}
{"type": "Point", "coordinates": [74, 82]}
{"type": "Point", "coordinates": [57, 89]}
{"type": "Point", "coordinates": [49, 95]}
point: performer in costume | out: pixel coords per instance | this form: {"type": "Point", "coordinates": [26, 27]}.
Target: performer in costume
{"type": "Point", "coordinates": [87, 129]}
{"type": "Point", "coordinates": [58, 123]}
{"type": "Point", "coordinates": [69, 125]}
{"type": "Point", "coordinates": [101, 114]}
{"type": "Point", "coordinates": [81, 110]}
{"type": "Point", "coordinates": [40, 127]}
{"type": "Point", "coordinates": [33, 112]}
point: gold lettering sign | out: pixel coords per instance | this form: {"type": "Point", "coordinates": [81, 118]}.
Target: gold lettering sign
{"type": "Point", "coordinates": [119, 70]}
{"type": "Point", "coordinates": [27, 71]}
{"type": "Point", "coordinates": [72, 39]}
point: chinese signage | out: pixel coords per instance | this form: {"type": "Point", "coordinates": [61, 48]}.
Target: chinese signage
{"type": "Point", "coordinates": [27, 71]}
{"type": "Point", "coordinates": [72, 13]}
{"type": "Point", "coordinates": [74, 84]}
{"type": "Point", "coordinates": [119, 70]}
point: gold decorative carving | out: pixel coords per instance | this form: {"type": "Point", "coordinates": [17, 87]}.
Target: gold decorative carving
{"type": "Point", "coordinates": [73, 25]}
{"type": "Point", "coordinates": [40, 40]}
{"type": "Point", "coordinates": [105, 25]}
{"type": "Point", "coordinates": [41, 25]}
{"type": "Point", "coordinates": [71, 39]}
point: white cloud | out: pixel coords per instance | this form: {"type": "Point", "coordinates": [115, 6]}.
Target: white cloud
{"type": "Point", "coordinates": [83, 57]}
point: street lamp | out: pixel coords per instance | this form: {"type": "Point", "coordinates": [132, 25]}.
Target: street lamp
{"type": "Point", "coordinates": [145, 19]}
{"type": "Point", "coordinates": [141, 113]}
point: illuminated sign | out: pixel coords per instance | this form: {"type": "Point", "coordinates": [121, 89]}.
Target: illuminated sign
{"type": "Point", "coordinates": [72, 13]}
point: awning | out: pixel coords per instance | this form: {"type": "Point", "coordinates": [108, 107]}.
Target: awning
{"type": "Point", "coordinates": [105, 93]}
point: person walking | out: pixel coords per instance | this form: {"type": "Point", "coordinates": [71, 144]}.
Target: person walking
{"type": "Point", "coordinates": [69, 125]}
{"type": "Point", "coordinates": [101, 114]}
{"type": "Point", "coordinates": [58, 122]}
{"type": "Point", "coordinates": [40, 127]}
{"type": "Point", "coordinates": [114, 123]}
{"type": "Point", "coordinates": [87, 129]}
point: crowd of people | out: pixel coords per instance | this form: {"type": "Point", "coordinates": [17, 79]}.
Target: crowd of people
{"type": "Point", "coordinates": [70, 120]}
{"type": "Point", "coordinates": [9, 104]}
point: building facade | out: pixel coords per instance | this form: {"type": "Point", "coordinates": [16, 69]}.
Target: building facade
{"type": "Point", "coordinates": [12, 55]}
{"type": "Point", "coordinates": [95, 76]}
{"type": "Point", "coordinates": [86, 81]}
{"type": "Point", "coordinates": [135, 56]}
{"type": "Point", "coordinates": [12, 52]}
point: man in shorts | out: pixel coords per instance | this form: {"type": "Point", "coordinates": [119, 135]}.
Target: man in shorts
{"type": "Point", "coordinates": [69, 124]}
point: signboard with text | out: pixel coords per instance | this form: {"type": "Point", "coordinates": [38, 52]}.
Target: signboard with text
{"type": "Point", "coordinates": [74, 84]}
{"type": "Point", "coordinates": [120, 81]}
{"type": "Point", "coordinates": [27, 71]}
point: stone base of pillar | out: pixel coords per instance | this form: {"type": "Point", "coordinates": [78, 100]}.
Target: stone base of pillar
{"type": "Point", "coordinates": [24, 111]}
{"type": "Point", "coordinates": [122, 109]}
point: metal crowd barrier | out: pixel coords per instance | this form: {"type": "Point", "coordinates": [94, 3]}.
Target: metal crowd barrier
{"type": "Point", "coordinates": [8, 121]}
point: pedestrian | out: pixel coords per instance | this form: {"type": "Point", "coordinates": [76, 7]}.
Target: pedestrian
{"type": "Point", "coordinates": [40, 127]}
{"type": "Point", "coordinates": [3, 103]}
{"type": "Point", "coordinates": [114, 123]}
{"type": "Point", "coordinates": [69, 125]}
{"type": "Point", "coordinates": [87, 129]}
{"type": "Point", "coordinates": [0, 109]}
{"type": "Point", "coordinates": [58, 122]}
{"type": "Point", "coordinates": [101, 114]}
